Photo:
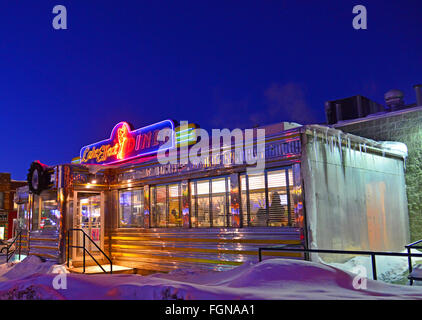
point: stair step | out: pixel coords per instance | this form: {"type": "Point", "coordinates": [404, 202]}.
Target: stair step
{"type": "Point", "coordinates": [97, 270]}
{"type": "Point", "coordinates": [44, 244]}
{"type": "Point", "coordinates": [44, 255]}
{"type": "Point", "coordinates": [44, 239]}
{"type": "Point", "coordinates": [44, 247]}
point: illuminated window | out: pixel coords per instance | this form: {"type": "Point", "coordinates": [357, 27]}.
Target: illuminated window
{"type": "Point", "coordinates": [257, 201]}
{"type": "Point", "coordinates": [277, 198]}
{"type": "Point", "coordinates": [131, 209]}
{"type": "Point", "coordinates": [203, 200]}
{"type": "Point", "coordinates": [160, 207]}
{"type": "Point", "coordinates": [209, 203]}
{"type": "Point", "coordinates": [219, 202]}
{"type": "Point", "coordinates": [175, 217]}
{"type": "Point", "coordinates": [46, 214]}
{"type": "Point", "coordinates": [244, 200]}
{"type": "Point", "coordinates": [274, 187]}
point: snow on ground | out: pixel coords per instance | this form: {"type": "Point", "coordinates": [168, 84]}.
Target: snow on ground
{"type": "Point", "coordinates": [270, 279]}
{"type": "Point", "coordinates": [389, 269]}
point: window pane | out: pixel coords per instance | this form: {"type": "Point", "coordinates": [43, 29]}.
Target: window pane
{"type": "Point", "coordinates": [277, 196]}
{"type": "Point", "coordinates": [244, 200]}
{"type": "Point", "coordinates": [219, 205]}
{"type": "Point", "coordinates": [36, 213]}
{"type": "Point", "coordinates": [50, 215]}
{"type": "Point", "coordinates": [1, 200]}
{"type": "Point", "coordinates": [161, 206]}
{"type": "Point", "coordinates": [175, 218]}
{"type": "Point", "coordinates": [153, 206]}
{"type": "Point", "coordinates": [131, 209]}
{"type": "Point", "coordinates": [193, 212]}
{"type": "Point", "coordinates": [292, 217]}
{"type": "Point", "coordinates": [203, 188]}
{"type": "Point", "coordinates": [258, 213]}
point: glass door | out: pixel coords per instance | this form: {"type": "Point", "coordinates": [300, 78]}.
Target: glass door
{"type": "Point", "coordinates": [89, 218]}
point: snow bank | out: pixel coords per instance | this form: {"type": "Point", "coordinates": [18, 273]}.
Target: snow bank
{"type": "Point", "coordinates": [389, 269]}
{"type": "Point", "coordinates": [270, 279]}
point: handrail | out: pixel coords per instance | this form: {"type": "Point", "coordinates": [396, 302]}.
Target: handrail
{"type": "Point", "coordinates": [409, 248]}
{"type": "Point", "coordinates": [9, 253]}
{"type": "Point", "coordinates": [85, 250]}
{"type": "Point", "coordinates": [413, 244]}
{"type": "Point", "coordinates": [371, 253]}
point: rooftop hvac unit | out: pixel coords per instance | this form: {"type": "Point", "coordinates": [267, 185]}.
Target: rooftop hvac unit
{"type": "Point", "coordinates": [350, 108]}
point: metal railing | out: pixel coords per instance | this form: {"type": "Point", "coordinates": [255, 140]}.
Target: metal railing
{"type": "Point", "coordinates": [409, 247]}
{"type": "Point", "coordinates": [10, 250]}
{"type": "Point", "coordinates": [85, 250]}
{"type": "Point", "coordinates": [373, 254]}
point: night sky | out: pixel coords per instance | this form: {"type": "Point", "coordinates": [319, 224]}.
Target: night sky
{"type": "Point", "coordinates": [221, 64]}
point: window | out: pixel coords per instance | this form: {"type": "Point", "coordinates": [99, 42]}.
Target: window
{"type": "Point", "coordinates": [23, 215]}
{"type": "Point", "coordinates": [175, 217]}
{"type": "Point", "coordinates": [166, 206]}
{"type": "Point", "coordinates": [219, 203]}
{"type": "Point", "coordinates": [210, 203]}
{"type": "Point", "coordinates": [1, 200]}
{"type": "Point", "coordinates": [160, 206]}
{"type": "Point", "coordinates": [244, 200]}
{"type": "Point", "coordinates": [257, 201]}
{"type": "Point", "coordinates": [131, 208]}
{"type": "Point", "coordinates": [277, 198]}
{"type": "Point", "coordinates": [45, 214]}
{"type": "Point", "coordinates": [203, 200]}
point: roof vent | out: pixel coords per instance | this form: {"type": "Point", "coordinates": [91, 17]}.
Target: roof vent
{"type": "Point", "coordinates": [394, 100]}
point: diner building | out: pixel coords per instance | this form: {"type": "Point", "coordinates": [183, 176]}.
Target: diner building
{"type": "Point", "coordinates": [319, 188]}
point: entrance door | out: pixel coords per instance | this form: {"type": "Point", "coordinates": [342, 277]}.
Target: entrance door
{"type": "Point", "coordinates": [89, 217]}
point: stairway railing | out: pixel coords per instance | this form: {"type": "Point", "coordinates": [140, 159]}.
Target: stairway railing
{"type": "Point", "coordinates": [85, 250]}
{"type": "Point", "coordinates": [10, 250]}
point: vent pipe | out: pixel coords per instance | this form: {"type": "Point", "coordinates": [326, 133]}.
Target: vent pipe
{"type": "Point", "coordinates": [418, 91]}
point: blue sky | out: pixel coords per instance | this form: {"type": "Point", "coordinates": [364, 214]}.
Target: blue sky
{"type": "Point", "coordinates": [217, 63]}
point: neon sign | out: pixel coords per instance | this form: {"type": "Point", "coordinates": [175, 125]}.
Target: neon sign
{"type": "Point", "coordinates": [126, 144]}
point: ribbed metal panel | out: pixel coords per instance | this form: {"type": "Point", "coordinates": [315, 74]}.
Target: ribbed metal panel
{"type": "Point", "coordinates": [216, 249]}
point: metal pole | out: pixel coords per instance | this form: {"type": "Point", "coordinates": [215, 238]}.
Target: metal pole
{"type": "Point", "coordinates": [20, 245]}
{"type": "Point", "coordinates": [374, 267]}
{"type": "Point", "coordinates": [84, 250]}
{"type": "Point", "coordinates": [68, 247]}
{"type": "Point", "coordinates": [409, 259]}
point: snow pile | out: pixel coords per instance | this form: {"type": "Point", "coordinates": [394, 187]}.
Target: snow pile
{"type": "Point", "coordinates": [270, 279]}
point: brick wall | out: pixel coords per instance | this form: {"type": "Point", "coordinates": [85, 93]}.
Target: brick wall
{"type": "Point", "coordinates": [403, 126]}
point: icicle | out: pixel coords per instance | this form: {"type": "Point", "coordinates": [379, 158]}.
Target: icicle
{"type": "Point", "coordinates": [364, 147]}
{"type": "Point", "coordinates": [339, 140]}
{"type": "Point", "coordinates": [349, 146]}
{"type": "Point", "coordinates": [326, 135]}
{"type": "Point", "coordinates": [316, 145]}
{"type": "Point", "coordinates": [339, 148]}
